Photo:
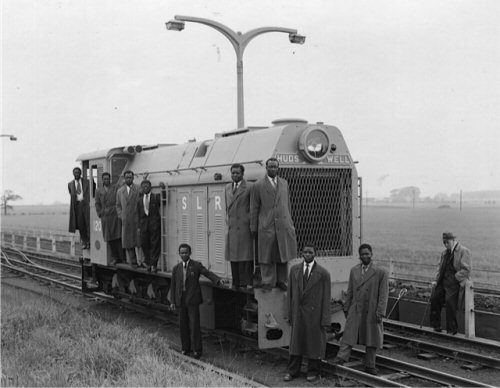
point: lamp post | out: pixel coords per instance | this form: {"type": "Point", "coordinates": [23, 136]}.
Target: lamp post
{"type": "Point", "coordinates": [239, 42]}
{"type": "Point", "coordinates": [11, 137]}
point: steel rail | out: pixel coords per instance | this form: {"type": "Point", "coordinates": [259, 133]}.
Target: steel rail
{"type": "Point", "coordinates": [45, 278]}
{"type": "Point", "coordinates": [417, 370]}
{"type": "Point", "coordinates": [488, 344]}
{"type": "Point", "coordinates": [329, 368]}
{"type": "Point", "coordinates": [39, 267]}
{"type": "Point", "coordinates": [60, 259]}
{"type": "Point", "coordinates": [239, 380]}
{"type": "Point", "coordinates": [445, 351]}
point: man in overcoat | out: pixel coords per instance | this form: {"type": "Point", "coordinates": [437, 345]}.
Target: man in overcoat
{"type": "Point", "coordinates": [365, 307]}
{"type": "Point", "coordinates": [150, 225]}
{"type": "Point", "coordinates": [309, 294]}
{"type": "Point", "coordinates": [79, 209]}
{"type": "Point", "coordinates": [105, 206]}
{"type": "Point", "coordinates": [126, 208]}
{"type": "Point", "coordinates": [239, 242]}
{"type": "Point", "coordinates": [271, 223]}
{"type": "Point", "coordinates": [185, 296]}
{"type": "Point", "coordinates": [449, 284]}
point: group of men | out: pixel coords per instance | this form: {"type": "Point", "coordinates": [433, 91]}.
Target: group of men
{"type": "Point", "coordinates": [259, 220]}
{"type": "Point", "coordinates": [130, 217]}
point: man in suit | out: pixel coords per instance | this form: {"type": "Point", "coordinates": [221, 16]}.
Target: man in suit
{"type": "Point", "coordinates": [185, 295]}
{"type": "Point", "coordinates": [449, 284]}
{"type": "Point", "coordinates": [239, 242]}
{"type": "Point", "coordinates": [126, 208]}
{"type": "Point", "coordinates": [105, 206]}
{"type": "Point", "coordinates": [150, 225]}
{"type": "Point", "coordinates": [79, 210]}
{"type": "Point", "coordinates": [271, 223]}
{"type": "Point", "coordinates": [365, 307]}
{"type": "Point", "coordinates": [309, 294]}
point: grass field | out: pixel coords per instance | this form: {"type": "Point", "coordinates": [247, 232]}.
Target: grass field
{"type": "Point", "coordinates": [45, 344]}
{"type": "Point", "coordinates": [400, 234]}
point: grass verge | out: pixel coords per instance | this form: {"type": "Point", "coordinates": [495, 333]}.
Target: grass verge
{"type": "Point", "coordinates": [52, 345]}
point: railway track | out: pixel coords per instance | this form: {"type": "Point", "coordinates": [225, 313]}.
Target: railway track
{"type": "Point", "coordinates": [392, 371]}
{"type": "Point", "coordinates": [23, 265]}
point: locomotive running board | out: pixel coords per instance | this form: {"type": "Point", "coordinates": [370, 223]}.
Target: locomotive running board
{"type": "Point", "coordinates": [273, 327]}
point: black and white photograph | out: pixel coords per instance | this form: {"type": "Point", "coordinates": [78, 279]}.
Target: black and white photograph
{"type": "Point", "coordinates": [250, 193]}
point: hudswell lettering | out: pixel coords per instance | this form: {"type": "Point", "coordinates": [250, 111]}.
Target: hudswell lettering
{"type": "Point", "coordinates": [287, 158]}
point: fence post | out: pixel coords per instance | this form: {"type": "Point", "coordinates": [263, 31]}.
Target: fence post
{"type": "Point", "coordinates": [470, 323]}
{"type": "Point", "coordinates": [72, 246]}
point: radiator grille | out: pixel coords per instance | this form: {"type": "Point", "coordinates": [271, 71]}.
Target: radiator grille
{"type": "Point", "coordinates": [321, 202]}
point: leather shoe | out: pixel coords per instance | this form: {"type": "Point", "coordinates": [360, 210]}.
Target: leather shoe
{"type": "Point", "coordinates": [186, 352]}
{"type": "Point", "coordinates": [197, 355]}
{"type": "Point", "coordinates": [311, 378]}
{"type": "Point", "coordinates": [437, 329]}
{"type": "Point", "coordinates": [452, 332]}
{"type": "Point", "coordinates": [288, 377]}
{"type": "Point", "coordinates": [371, 370]}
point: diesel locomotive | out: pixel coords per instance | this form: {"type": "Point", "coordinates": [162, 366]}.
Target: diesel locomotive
{"type": "Point", "coordinates": [325, 197]}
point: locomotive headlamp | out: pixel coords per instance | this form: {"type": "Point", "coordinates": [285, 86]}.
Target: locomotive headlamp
{"type": "Point", "coordinates": [296, 38]}
{"type": "Point", "coordinates": [314, 144]}
{"type": "Point", "coordinates": [175, 25]}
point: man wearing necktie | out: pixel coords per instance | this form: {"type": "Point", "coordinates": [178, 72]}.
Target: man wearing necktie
{"type": "Point", "coordinates": [79, 211]}
{"type": "Point", "coordinates": [272, 226]}
{"type": "Point", "coordinates": [126, 208]}
{"type": "Point", "coordinates": [365, 307]}
{"type": "Point", "coordinates": [105, 206]}
{"type": "Point", "coordinates": [448, 286]}
{"type": "Point", "coordinates": [239, 242]}
{"type": "Point", "coordinates": [150, 225]}
{"type": "Point", "coordinates": [186, 297]}
{"type": "Point", "coordinates": [308, 297]}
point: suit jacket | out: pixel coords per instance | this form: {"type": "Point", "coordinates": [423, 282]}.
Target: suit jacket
{"type": "Point", "coordinates": [309, 310]}
{"type": "Point", "coordinates": [270, 217]}
{"type": "Point", "coordinates": [126, 208]}
{"type": "Point", "coordinates": [239, 241]}
{"type": "Point", "coordinates": [72, 206]}
{"type": "Point", "coordinates": [105, 206]}
{"type": "Point", "coordinates": [193, 295]}
{"type": "Point", "coordinates": [366, 298]}
{"type": "Point", "coordinates": [154, 218]}
{"type": "Point", "coordinates": [461, 263]}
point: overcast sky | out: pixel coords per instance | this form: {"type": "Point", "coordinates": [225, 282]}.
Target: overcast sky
{"type": "Point", "coordinates": [413, 85]}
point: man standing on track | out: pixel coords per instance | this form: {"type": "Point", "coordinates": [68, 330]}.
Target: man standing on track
{"type": "Point", "coordinates": [309, 294]}
{"type": "Point", "coordinates": [79, 210]}
{"type": "Point", "coordinates": [105, 206]}
{"type": "Point", "coordinates": [365, 307]}
{"type": "Point", "coordinates": [271, 223]}
{"type": "Point", "coordinates": [126, 208]}
{"type": "Point", "coordinates": [239, 242]}
{"type": "Point", "coordinates": [449, 284]}
{"type": "Point", "coordinates": [185, 295]}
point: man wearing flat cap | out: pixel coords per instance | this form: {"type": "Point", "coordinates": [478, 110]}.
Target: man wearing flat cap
{"type": "Point", "coordinates": [449, 285]}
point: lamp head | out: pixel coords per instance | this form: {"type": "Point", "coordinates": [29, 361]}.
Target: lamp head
{"type": "Point", "coordinates": [296, 38]}
{"type": "Point", "coordinates": [175, 25]}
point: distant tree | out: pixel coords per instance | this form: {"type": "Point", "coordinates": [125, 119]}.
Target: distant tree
{"type": "Point", "coordinates": [8, 195]}
{"type": "Point", "coordinates": [405, 194]}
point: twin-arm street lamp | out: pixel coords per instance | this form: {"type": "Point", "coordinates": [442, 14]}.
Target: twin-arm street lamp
{"type": "Point", "coordinates": [11, 137]}
{"type": "Point", "coordinates": [239, 42]}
